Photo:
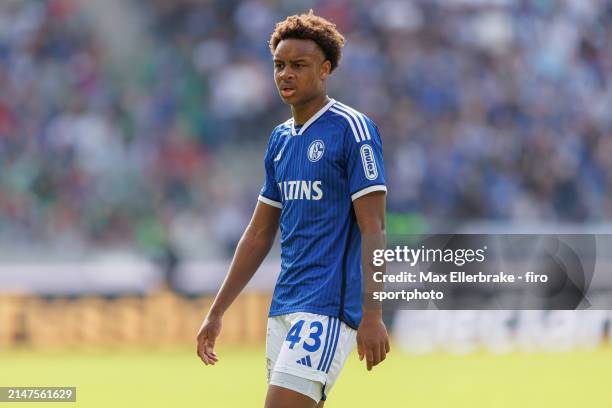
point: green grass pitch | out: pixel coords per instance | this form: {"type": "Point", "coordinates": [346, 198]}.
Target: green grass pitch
{"type": "Point", "coordinates": [177, 379]}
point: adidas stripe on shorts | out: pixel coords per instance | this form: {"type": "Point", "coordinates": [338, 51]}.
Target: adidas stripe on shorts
{"type": "Point", "coordinates": [306, 352]}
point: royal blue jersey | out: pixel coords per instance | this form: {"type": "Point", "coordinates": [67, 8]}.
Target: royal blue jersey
{"type": "Point", "coordinates": [313, 174]}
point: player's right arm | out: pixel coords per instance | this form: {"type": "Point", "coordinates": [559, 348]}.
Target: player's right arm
{"type": "Point", "coordinates": [250, 252]}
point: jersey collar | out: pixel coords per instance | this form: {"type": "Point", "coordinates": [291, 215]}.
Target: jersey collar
{"type": "Point", "coordinates": [312, 119]}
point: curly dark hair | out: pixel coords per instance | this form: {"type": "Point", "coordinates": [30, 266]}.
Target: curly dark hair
{"type": "Point", "coordinates": [311, 27]}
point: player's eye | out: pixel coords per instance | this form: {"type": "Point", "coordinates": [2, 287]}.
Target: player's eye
{"type": "Point", "coordinates": [299, 65]}
{"type": "Point", "coordinates": [278, 65]}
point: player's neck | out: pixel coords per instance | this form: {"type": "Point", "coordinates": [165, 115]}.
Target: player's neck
{"type": "Point", "coordinates": [301, 113]}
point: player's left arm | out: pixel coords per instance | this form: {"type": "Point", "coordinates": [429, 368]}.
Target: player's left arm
{"type": "Point", "coordinates": [372, 336]}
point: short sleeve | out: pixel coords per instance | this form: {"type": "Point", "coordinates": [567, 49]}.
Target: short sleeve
{"type": "Point", "coordinates": [365, 165]}
{"type": "Point", "coordinates": [269, 192]}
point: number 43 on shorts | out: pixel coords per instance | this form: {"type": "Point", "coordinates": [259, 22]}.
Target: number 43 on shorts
{"type": "Point", "coordinates": [313, 342]}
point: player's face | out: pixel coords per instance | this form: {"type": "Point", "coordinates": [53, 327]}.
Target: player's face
{"type": "Point", "coordinates": [300, 71]}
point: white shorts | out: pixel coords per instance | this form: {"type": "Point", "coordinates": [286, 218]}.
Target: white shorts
{"type": "Point", "coordinates": [308, 346]}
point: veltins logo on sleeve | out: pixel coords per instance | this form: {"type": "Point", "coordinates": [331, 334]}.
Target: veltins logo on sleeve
{"type": "Point", "coordinates": [369, 163]}
{"type": "Point", "coordinates": [315, 150]}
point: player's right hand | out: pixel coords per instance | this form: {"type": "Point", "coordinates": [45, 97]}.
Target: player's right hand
{"type": "Point", "coordinates": [208, 333]}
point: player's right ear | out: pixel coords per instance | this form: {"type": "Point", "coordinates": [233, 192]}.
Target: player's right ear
{"type": "Point", "coordinates": [325, 69]}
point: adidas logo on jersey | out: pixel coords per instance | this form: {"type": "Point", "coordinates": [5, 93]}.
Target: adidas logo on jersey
{"type": "Point", "coordinates": [304, 361]}
{"type": "Point", "coordinates": [301, 190]}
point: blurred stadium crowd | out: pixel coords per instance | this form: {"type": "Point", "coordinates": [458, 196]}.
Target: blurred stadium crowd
{"type": "Point", "coordinates": [493, 109]}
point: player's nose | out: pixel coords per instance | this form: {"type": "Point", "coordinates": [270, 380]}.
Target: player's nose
{"type": "Point", "coordinates": [286, 74]}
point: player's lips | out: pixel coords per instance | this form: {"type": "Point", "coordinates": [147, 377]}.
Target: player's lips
{"type": "Point", "coordinates": [286, 91]}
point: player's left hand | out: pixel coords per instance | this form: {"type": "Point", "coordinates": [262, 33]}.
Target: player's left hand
{"type": "Point", "coordinates": [372, 340]}
{"type": "Point", "coordinates": [208, 333]}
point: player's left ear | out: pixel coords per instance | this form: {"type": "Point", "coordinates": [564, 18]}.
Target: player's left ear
{"type": "Point", "coordinates": [325, 70]}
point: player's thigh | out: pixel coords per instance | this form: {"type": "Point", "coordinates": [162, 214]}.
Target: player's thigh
{"type": "Point", "coordinates": [281, 397]}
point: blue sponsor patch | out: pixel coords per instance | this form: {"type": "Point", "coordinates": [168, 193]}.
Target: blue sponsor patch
{"type": "Point", "coordinates": [369, 163]}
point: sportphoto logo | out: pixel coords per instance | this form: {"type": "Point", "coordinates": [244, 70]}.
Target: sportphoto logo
{"type": "Point", "coordinates": [489, 272]}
